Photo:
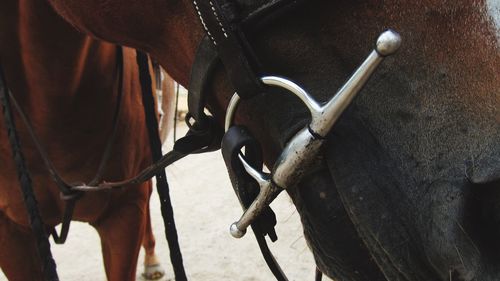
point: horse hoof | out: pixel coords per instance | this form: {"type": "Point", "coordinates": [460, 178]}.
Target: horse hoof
{"type": "Point", "coordinates": [153, 272]}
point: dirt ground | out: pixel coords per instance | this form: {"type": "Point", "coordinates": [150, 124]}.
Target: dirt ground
{"type": "Point", "coordinates": [204, 206]}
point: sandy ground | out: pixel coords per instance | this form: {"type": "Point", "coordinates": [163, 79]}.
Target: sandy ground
{"type": "Point", "coordinates": [204, 206]}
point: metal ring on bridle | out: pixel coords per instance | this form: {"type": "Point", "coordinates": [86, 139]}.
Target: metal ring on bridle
{"type": "Point", "coordinates": [278, 82]}
{"type": "Point", "coordinates": [261, 177]}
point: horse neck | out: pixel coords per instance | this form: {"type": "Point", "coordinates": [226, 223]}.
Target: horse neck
{"type": "Point", "coordinates": [49, 65]}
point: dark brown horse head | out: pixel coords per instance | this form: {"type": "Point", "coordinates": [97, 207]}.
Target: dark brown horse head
{"type": "Point", "coordinates": [406, 187]}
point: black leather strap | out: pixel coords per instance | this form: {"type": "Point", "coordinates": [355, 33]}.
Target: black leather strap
{"type": "Point", "coordinates": [318, 276]}
{"type": "Point", "coordinates": [264, 15]}
{"type": "Point", "coordinates": [161, 178]}
{"type": "Point", "coordinates": [247, 189]}
{"type": "Point", "coordinates": [234, 140]}
{"type": "Point", "coordinates": [203, 130]}
{"type": "Point", "coordinates": [205, 61]}
{"type": "Point", "coordinates": [200, 139]}
{"type": "Point", "coordinates": [69, 208]}
{"type": "Point", "coordinates": [223, 26]}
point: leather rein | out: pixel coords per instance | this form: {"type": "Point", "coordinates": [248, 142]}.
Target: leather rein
{"type": "Point", "coordinates": [67, 192]}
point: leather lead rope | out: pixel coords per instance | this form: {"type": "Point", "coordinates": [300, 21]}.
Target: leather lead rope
{"type": "Point", "coordinates": [42, 241]}
{"type": "Point", "coordinates": [161, 178]}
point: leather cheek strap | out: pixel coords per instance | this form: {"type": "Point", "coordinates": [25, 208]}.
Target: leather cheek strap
{"type": "Point", "coordinates": [246, 189]}
{"type": "Point", "coordinates": [224, 28]}
{"type": "Point", "coordinates": [205, 61]}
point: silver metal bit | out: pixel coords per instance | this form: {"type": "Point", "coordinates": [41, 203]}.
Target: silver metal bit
{"type": "Point", "coordinates": [302, 149]}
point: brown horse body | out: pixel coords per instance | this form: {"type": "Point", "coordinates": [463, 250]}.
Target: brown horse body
{"type": "Point", "coordinates": [407, 188]}
{"type": "Point", "coordinates": [67, 84]}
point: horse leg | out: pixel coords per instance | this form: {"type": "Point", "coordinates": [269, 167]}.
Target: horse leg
{"type": "Point", "coordinates": [18, 255]}
{"type": "Point", "coordinates": [167, 106]}
{"type": "Point", "coordinates": [152, 267]}
{"type": "Point", "coordinates": [121, 233]}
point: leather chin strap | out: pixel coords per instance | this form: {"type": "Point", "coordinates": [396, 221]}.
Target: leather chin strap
{"type": "Point", "coordinates": [247, 189]}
